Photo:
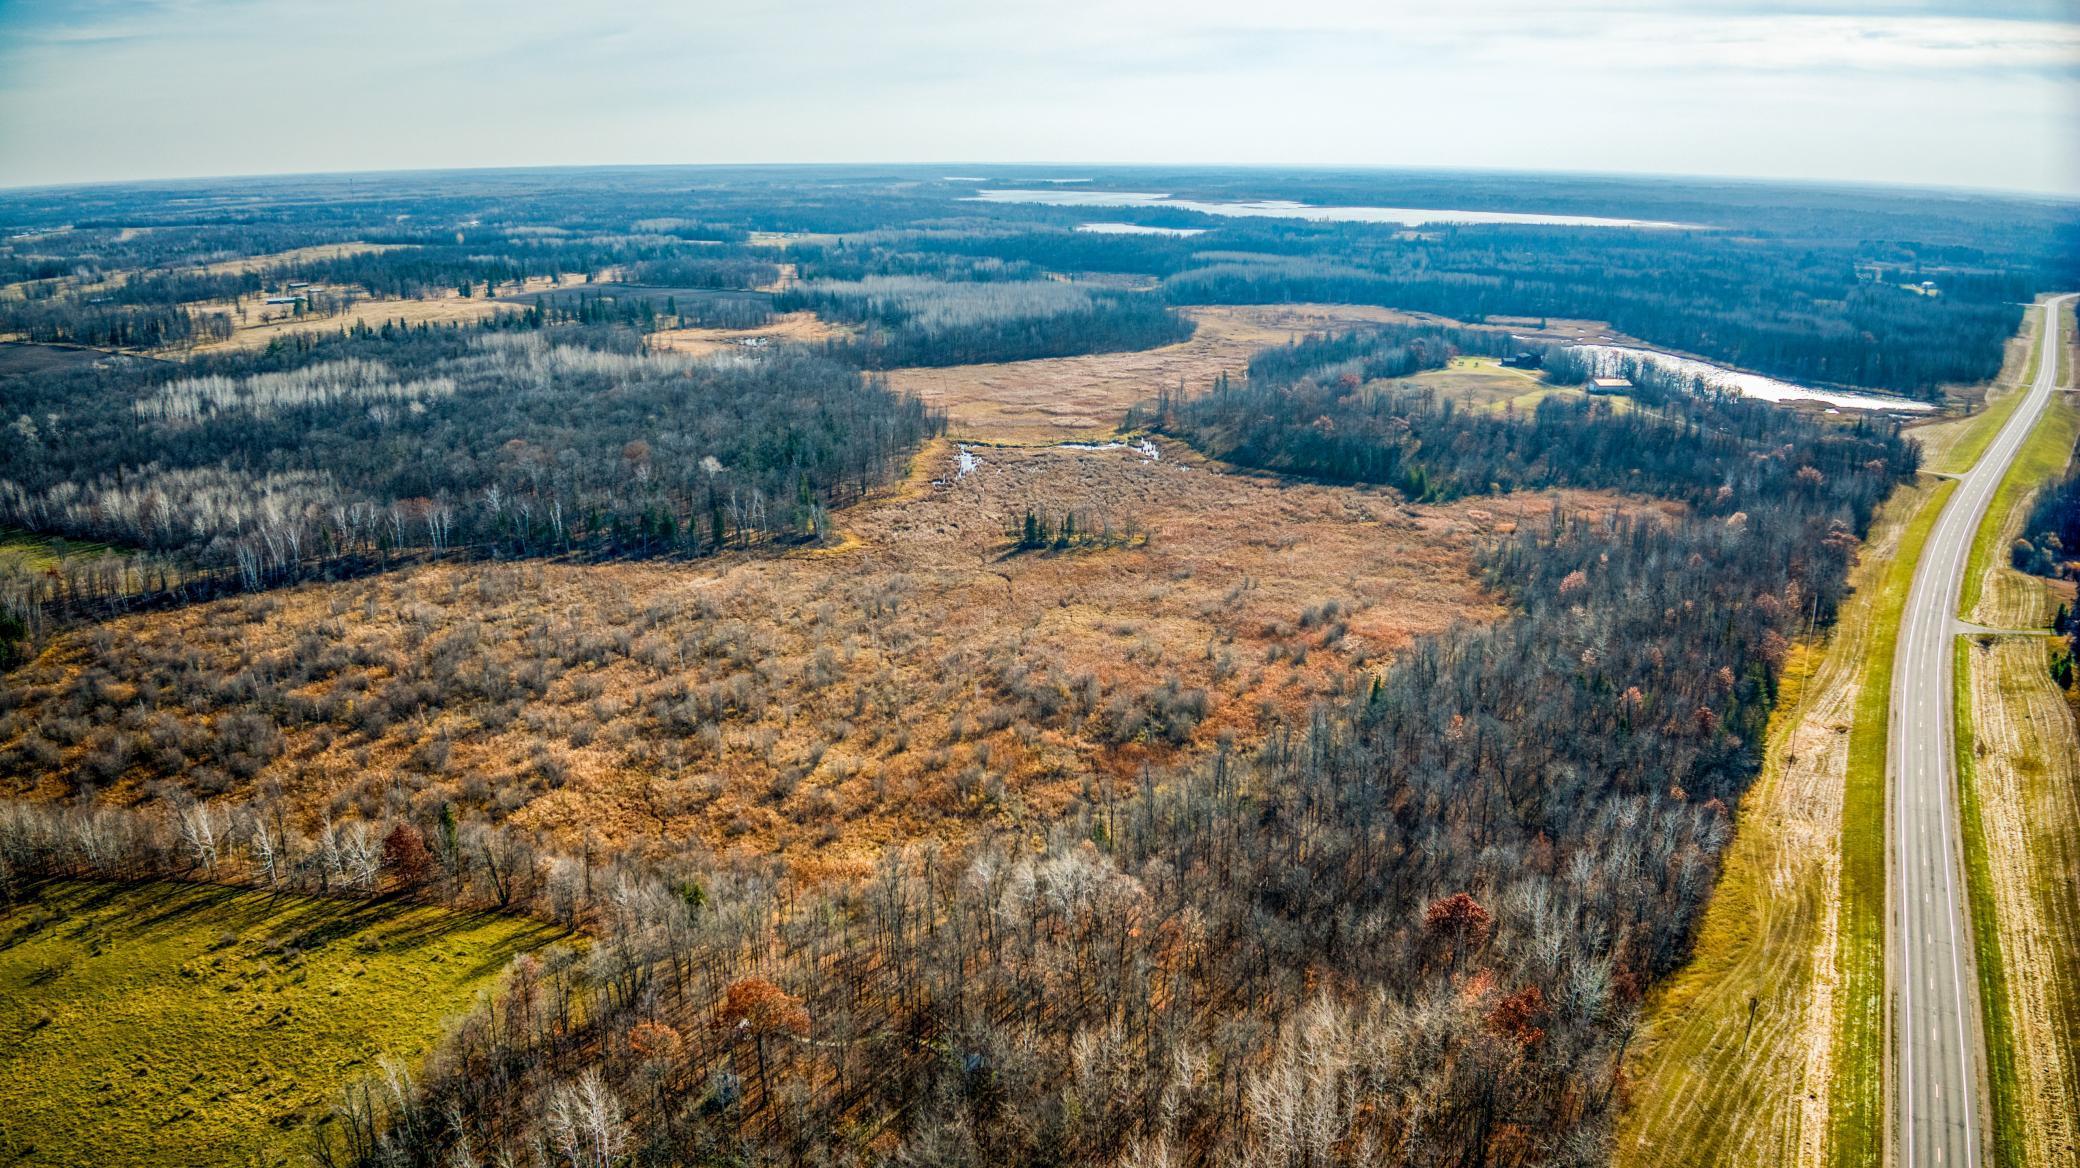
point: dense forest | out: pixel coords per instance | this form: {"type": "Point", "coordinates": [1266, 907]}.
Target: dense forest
{"type": "Point", "coordinates": [120, 326]}
{"type": "Point", "coordinates": [913, 320]}
{"type": "Point", "coordinates": [2049, 545]}
{"type": "Point", "coordinates": [1831, 311]}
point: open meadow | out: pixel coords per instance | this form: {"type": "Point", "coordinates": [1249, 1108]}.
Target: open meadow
{"type": "Point", "coordinates": [919, 677]}
{"type": "Point", "coordinates": [168, 1024]}
{"type": "Point", "coordinates": [1082, 398]}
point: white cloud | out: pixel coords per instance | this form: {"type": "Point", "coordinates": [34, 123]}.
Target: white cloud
{"type": "Point", "coordinates": [1889, 92]}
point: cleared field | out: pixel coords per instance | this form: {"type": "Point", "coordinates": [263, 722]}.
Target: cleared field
{"type": "Point", "coordinates": [178, 1024]}
{"type": "Point", "coordinates": [1063, 398]}
{"type": "Point", "coordinates": [2019, 776]}
{"type": "Point", "coordinates": [797, 327]}
{"type": "Point", "coordinates": [1485, 381]}
{"type": "Point", "coordinates": [1060, 398]}
{"type": "Point", "coordinates": [1735, 1060]}
{"type": "Point", "coordinates": [298, 255]}
{"type": "Point", "coordinates": [255, 322]}
{"type": "Point", "coordinates": [786, 239]}
{"type": "Point", "coordinates": [2019, 770]}
{"type": "Point", "coordinates": [27, 552]}
{"type": "Point", "coordinates": [917, 680]}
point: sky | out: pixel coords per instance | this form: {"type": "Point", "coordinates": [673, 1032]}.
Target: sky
{"type": "Point", "coordinates": [1937, 92]}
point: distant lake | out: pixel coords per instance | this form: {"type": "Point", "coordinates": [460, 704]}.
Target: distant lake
{"type": "Point", "coordinates": [1281, 209]}
{"type": "Point", "coordinates": [1136, 229]}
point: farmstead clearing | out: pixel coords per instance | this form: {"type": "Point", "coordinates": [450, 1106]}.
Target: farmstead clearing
{"type": "Point", "coordinates": [256, 322]}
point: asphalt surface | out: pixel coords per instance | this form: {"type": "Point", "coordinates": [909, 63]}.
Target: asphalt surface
{"type": "Point", "coordinates": [1937, 1117]}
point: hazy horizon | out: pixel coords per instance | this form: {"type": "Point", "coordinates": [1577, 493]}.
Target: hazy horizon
{"type": "Point", "coordinates": [1074, 165]}
{"type": "Point", "coordinates": [1929, 94]}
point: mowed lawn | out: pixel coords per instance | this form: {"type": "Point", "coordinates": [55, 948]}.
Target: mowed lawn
{"type": "Point", "coordinates": [178, 1024]}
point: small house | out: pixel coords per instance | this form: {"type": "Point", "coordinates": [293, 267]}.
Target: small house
{"type": "Point", "coordinates": [285, 300]}
{"type": "Point", "coordinates": [1528, 359]}
{"type": "Point", "coordinates": [1608, 385]}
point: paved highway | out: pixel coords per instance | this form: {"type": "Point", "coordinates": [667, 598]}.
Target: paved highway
{"type": "Point", "coordinates": [1937, 1118]}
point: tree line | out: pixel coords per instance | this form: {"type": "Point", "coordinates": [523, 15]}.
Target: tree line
{"type": "Point", "coordinates": [2049, 542]}
{"type": "Point", "coordinates": [917, 320]}
{"type": "Point", "coordinates": [1378, 353]}
{"type": "Point", "coordinates": [1689, 445]}
{"type": "Point", "coordinates": [325, 452]}
{"type": "Point", "coordinates": [1841, 331]}
{"type": "Point", "coordinates": [2049, 545]}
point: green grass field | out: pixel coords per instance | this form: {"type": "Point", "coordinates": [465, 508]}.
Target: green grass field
{"type": "Point", "coordinates": [2065, 351]}
{"type": "Point", "coordinates": [1486, 382]}
{"type": "Point", "coordinates": [1856, 1138]}
{"type": "Point", "coordinates": [173, 1024]}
